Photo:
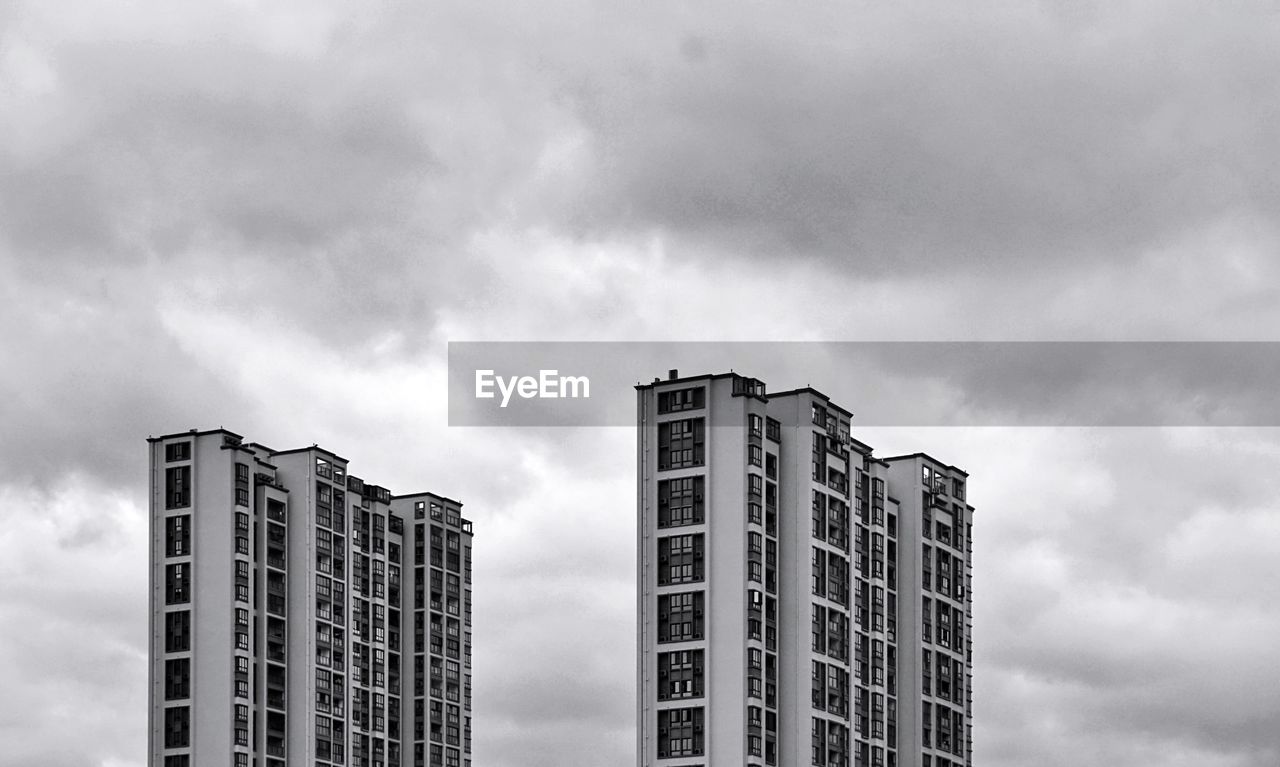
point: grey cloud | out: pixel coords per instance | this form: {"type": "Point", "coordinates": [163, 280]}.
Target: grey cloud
{"type": "Point", "coordinates": [88, 379]}
{"type": "Point", "coordinates": [1099, 634]}
{"type": "Point", "coordinates": [340, 187]}
{"type": "Point", "coordinates": [878, 138]}
{"type": "Point", "coordinates": [340, 191]}
{"type": "Point", "coordinates": [74, 659]}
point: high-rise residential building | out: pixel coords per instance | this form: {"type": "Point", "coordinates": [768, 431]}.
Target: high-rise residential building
{"type": "Point", "coordinates": [302, 616]}
{"type": "Point", "coordinates": [801, 601]}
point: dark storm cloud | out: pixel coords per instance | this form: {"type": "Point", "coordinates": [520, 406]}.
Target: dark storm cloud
{"type": "Point", "coordinates": [1093, 383]}
{"type": "Point", "coordinates": [879, 136]}
{"type": "Point", "coordinates": [172, 144]}
{"type": "Point", "coordinates": [269, 219]}
{"type": "Point", "coordinates": [334, 176]}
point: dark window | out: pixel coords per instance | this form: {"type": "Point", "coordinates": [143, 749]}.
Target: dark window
{"type": "Point", "coordinates": [838, 579]}
{"type": "Point", "coordinates": [177, 487]}
{"type": "Point", "coordinates": [818, 741]}
{"type": "Point", "coordinates": [680, 501]}
{"type": "Point", "coordinates": [680, 616]}
{"type": "Point", "coordinates": [177, 451]}
{"type": "Point", "coordinates": [818, 685]}
{"type": "Point", "coordinates": [242, 484]}
{"type": "Point", "coordinates": [749, 387]}
{"type": "Point", "coordinates": [177, 760]}
{"type": "Point", "coordinates": [680, 559]}
{"type": "Point", "coordinates": [819, 571]}
{"type": "Point", "coordinates": [177, 733]}
{"type": "Point", "coordinates": [177, 584]}
{"type": "Point", "coordinates": [680, 674]}
{"type": "Point", "coordinates": [177, 631]}
{"type": "Point", "coordinates": [772, 430]}
{"type": "Point", "coordinates": [177, 536]}
{"type": "Point", "coordinates": [693, 398]}
{"type": "Point", "coordinates": [680, 732]}
{"type": "Point", "coordinates": [177, 678]}
{"type": "Point", "coordinates": [680, 443]}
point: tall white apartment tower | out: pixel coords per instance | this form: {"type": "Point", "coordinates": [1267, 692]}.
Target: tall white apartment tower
{"type": "Point", "coordinates": [302, 616]}
{"type": "Point", "coordinates": [800, 601]}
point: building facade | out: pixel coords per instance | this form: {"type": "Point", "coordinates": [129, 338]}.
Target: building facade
{"type": "Point", "coordinates": [302, 616]}
{"type": "Point", "coordinates": [800, 601]}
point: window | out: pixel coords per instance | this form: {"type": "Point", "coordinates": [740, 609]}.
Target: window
{"type": "Point", "coordinates": [177, 584]}
{"type": "Point", "coordinates": [818, 685]}
{"type": "Point", "coordinates": [177, 631]}
{"type": "Point", "coordinates": [177, 487]}
{"type": "Point", "coordinates": [177, 727]}
{"type": "Point", "coordinates": [838, 635]}
{"type": "Point", "coordinates": [926, 619]}
{"type": "Point", "coordinates": [772, 430]}
{"type": "Point", "coordinates": [680, 501]}
{"type": "Point", "coordinates": [680, 616]}
{"type": "Point", "coordinates": [819, 506]}
{"type": "Point", "coordinates": [838, 523]}
{"type": "Point", "coordinates": [818, 741]}
{"type": "Point", "coordinates": [242, 484]}
{"type": "Point", "coordinates": [754, 455]}
{"type": "Point", "coordinates": [680, 732]}
{"type": "Point", "coordinates": [680, 674]}
{"type": "Point", "coordinates": [177, 536]}
{"type": "Point", "coordinates": [676, 400]}
{"type": "Point", "coordinates": [680, 443]}
{"type": "Point", "coordinates": [838, 579]}
{"type": "Point", "coordinates": [177, 451]}
{"type": "Point", "coordinates": [837, 690]}
{"type": "Point", "coordinates": [178, 760]}
{"type": "Point", "coordinates": [819, 572]}
{"type": "Point", "coordinates": [680, 559]}
{"type": "Point", "coordinates": [177, 678]}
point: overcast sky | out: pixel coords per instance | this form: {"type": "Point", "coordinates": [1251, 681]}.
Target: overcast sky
{"type": "Point", "coordinates": [272, 216]}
